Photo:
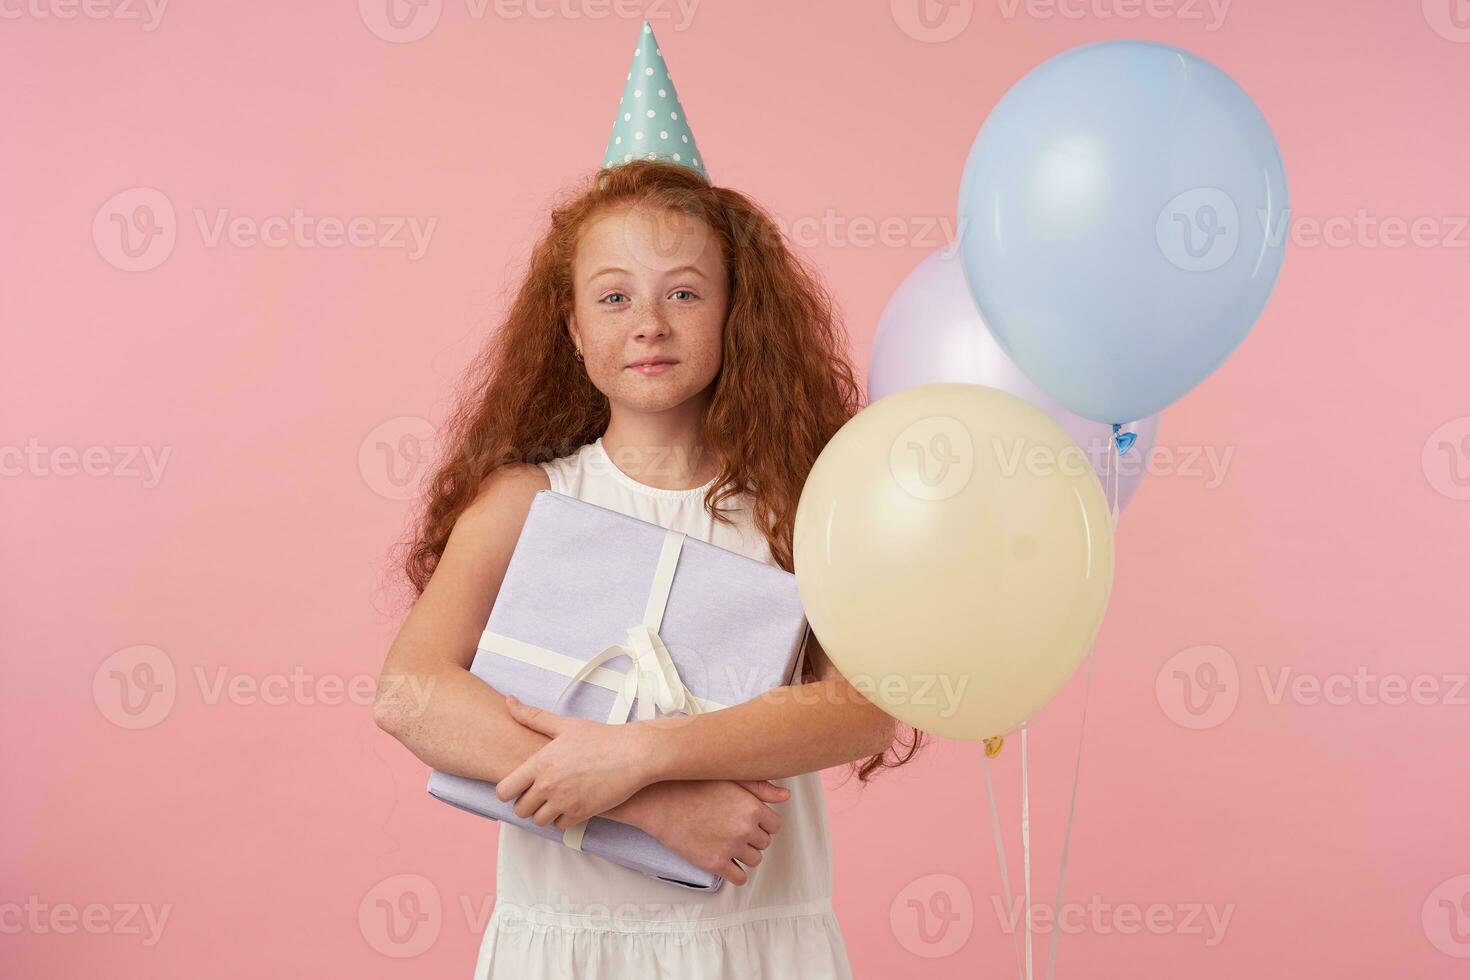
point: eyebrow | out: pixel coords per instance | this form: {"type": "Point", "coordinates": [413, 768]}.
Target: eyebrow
{"type": "Point", "coordinates": [611, 269]}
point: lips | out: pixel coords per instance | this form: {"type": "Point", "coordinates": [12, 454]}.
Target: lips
{"type": "Point", "coordinates": [653, 362]}
{"type": "Point", "coordinates": [652, 367]}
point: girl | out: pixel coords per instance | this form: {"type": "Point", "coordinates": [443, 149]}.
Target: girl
{"type": "Point", "coordinates": [666, 356]}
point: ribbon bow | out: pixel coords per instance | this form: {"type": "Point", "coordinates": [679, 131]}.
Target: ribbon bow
{"type": "Point", "coordinates": [652, 681]}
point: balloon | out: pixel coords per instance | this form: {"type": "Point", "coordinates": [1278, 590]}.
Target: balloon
{"type": "Point", "coordinates": [931, 331]}
{"type": "Point", "coordinates": [954, 554]}
{"type": "Point", "coordinates": [1122, 217]}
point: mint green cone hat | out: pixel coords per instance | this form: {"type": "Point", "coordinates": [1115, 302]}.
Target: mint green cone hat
{"type": "Point", "coordinates": [651, 124]}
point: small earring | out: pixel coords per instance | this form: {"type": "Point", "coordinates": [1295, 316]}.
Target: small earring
{"type": "Point", "coordinates": [579, 354]}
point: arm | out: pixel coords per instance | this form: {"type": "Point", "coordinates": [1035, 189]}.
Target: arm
{"type": "Point", "coordinates": [427, 698]}
{"type": "Point", "coordinates": [783, 732]}
{"type": "Point", "coordinates": [789, 730]}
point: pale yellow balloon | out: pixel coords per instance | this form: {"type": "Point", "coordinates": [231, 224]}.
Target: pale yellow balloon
{"type": "Point", "coordinates": [954, 553]}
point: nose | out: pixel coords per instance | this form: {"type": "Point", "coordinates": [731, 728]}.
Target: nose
{"type": "Point", "coordinates": [654, 323]}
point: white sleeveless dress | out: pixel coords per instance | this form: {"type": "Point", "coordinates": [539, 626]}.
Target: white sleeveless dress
{"type": "Point", "coordinates": [560, 913]}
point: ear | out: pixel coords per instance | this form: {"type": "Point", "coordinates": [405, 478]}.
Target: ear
{"type": "Point", "coordinates": [573, 332]}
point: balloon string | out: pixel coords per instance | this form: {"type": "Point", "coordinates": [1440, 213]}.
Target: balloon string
{"type": "Point", "coordinates": [1026, 846]}
{"type": "Point", "coordinates": [1110, 485]}
{"type": "Point", "coordinates": [1000, 854]}
{"type": "Point", "coordinates": [1051, 960]}
{"type": "Point", "coordinates": [1112, 476]}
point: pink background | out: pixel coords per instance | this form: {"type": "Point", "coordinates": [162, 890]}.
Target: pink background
{"type": "Point", "coordinates": [290, 387]}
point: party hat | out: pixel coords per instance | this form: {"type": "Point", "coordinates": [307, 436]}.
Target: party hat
{"type": "Point", "coordinates": [651, 124]}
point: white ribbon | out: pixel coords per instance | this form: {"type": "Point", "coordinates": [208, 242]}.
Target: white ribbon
{"type": "Point", "coordinates": [651, 681]}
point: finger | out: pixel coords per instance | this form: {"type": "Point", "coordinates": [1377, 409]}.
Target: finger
{"type": "Point", "coordinates": [749, 856]}
{"type": "Point", "coordinates": [515, 784]}
{"type": "Point", "coordinates": [734, 873]}
{"type": "Point", "coordinates": [766, 791]}
{"type": "Point", "coordinates": [532, 717]}
{"type": "Point", "coordinates": [760, 839]}
{"type": "Point", "coordinates": [545, 815]}
{"type": "Point", "coordinates": [530, 801]}
{"type": "Point", "coordinates": [769, 820]}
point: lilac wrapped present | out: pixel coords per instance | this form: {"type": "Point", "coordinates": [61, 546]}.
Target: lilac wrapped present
{"type": "Point", "coordinates": [608, 617]}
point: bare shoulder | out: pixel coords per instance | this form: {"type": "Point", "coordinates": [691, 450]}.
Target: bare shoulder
{"type": "Point", "coordinates": [447, 618]}
{"type": "Point", "coordinates": [504, 498]}
{"type": "Point", "coordinates": [484, 537]}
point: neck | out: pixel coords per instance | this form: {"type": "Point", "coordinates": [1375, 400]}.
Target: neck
{"type": "Point", "coordinates": [661, 449]}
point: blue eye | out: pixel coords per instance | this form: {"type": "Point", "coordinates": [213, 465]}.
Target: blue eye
{"type": "Point", "coordinates": [611, 295]}
{"type": "Point", "coordinates": [689, 291]}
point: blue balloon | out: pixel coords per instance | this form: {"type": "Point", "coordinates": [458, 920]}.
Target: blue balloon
{"type": "Point", "coordinates": [1122, 221]}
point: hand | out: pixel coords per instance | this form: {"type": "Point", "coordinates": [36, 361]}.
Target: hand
{"type": "Point", "coordinates": [713, 822]}
{"type": "Point", "coordinates": [587, 768]}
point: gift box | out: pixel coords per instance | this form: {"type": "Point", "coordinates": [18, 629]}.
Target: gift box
{"type": "Point", "coordinates": [611, 618]}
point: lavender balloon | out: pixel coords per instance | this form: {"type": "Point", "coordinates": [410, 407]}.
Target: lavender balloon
{"type": "Point", "coordinates": [932, 330]}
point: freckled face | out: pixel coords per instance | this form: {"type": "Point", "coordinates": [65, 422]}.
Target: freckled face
{"type": "Point", "coordinates": [649, 283]}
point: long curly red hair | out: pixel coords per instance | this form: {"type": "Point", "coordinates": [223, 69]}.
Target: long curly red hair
{"type": "Point", "coordinates": [527, 399]}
